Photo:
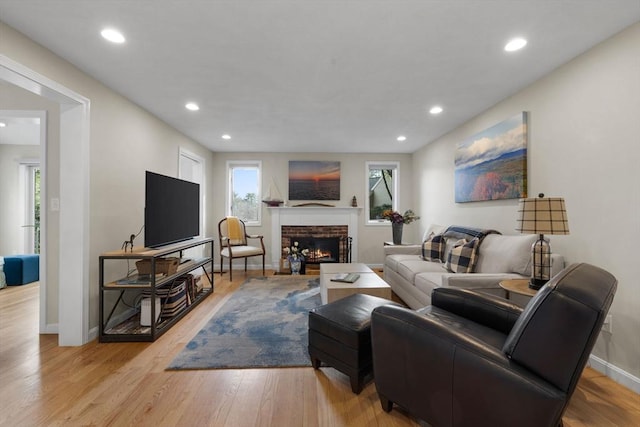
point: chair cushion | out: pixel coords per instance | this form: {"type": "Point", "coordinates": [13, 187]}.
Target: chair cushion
{"type": "Point", "coordinates": [241, 251]}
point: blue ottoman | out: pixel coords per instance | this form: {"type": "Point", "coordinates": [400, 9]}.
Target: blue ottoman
{"type": "Point", "coordinates": [22, 269]}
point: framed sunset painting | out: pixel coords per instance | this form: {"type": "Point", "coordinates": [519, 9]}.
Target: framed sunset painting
{"type": "Point", "coordinates": [314, 180]}
{"type": "Point", "coordinates": [492, 164]}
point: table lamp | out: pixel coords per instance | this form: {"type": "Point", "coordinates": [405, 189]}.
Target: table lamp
{"type": "Point", "coordinates": [542, 215]}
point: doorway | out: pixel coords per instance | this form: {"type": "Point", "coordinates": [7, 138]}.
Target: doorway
{"type": "Point", "coordinates": [71, 316]}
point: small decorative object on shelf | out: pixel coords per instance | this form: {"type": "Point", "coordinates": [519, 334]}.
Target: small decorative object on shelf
{"type": "Point", "coordinates": [273, 197]}
{"type": "Point", "coordinates": [354, 202]}
{"type": "Point", "coordinates": [128, 243]}
{"type": "Point", "coordinates": [397, 222]}
{"type": "Point", "coordinates": [295, 256]}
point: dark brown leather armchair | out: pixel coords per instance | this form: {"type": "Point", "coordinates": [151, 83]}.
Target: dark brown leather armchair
{"type": "Point", "coordinates": [472, 359]}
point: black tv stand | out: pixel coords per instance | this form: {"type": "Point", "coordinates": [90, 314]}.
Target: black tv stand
{"type": "Point", "coordinates": [118, 322]}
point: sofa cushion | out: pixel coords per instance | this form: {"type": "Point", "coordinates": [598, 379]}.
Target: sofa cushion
{"type": "Point", "coordinates": [433, 248]}
{"type": "Point", "coordinates": [391, 261]}
{"type": "Point", "coordinates": [505, 254]}
{"type": "Point", "coordinates": [408, 268]}
{"type": "Point", "coordinates": [463, 256]}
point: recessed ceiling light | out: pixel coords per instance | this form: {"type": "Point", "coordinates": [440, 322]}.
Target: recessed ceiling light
{"type": "Point", "coordinates": [3, 125]}
{"type": "Point", "coordinates": [113, 35]}
{"type": "Point", "coordinates": [192, 106]}
{"type": "Point", "coordinates": [401, 138]}
{"type": "Point", "coordinates": [436, 109]}
{"type": "Point", "coordinates": [225, 136]}
{"type": "Point", "coordinates": [515, 44]}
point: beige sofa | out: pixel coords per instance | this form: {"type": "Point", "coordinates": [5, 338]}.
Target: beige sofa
{"type": "Point", "coordinates": [499, 257]}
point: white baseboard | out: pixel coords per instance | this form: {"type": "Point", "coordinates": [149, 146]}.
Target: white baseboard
{"type": "Point", "coordinates": [616, 374]}
{"type": "Point", "coordinates": [50, 328]}
{"type": "Point", "coordinates": [93, 333]}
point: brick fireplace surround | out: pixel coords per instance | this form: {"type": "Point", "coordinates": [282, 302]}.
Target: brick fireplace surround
{"type": "Point", "coordinates": [323, 222]}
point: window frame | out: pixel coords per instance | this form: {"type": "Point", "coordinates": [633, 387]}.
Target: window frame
{"type": "Point", "coordinates": [381, 164]}
{"type": "Point", "coordinates": [233, 164]}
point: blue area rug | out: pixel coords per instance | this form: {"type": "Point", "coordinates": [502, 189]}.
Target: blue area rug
{"type": "Point", "coordinates": [263, 325]}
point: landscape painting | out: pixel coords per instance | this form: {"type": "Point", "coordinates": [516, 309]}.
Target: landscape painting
{"type": "Point", "coordinates": [314, 180]}
{"type": "Point", "coordinates": [492, 164]}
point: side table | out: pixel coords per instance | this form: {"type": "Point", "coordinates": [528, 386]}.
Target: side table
{"type": "Point", "coordinates": [517, 286]}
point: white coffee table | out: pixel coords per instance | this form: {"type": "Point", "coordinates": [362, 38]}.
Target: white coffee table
{"type": "Point", "coordinates": [368, 283]}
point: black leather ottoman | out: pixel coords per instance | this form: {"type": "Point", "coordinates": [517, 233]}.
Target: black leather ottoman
{"type": "Point", "coordinates": [340, 336]}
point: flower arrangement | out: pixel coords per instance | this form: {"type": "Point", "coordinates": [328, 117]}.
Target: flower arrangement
{"type": "Point", "coordinates": [295, 253]}
{"type": "Point", "coordinates": [395, 217]}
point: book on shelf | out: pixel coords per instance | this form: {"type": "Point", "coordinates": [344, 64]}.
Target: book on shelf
{"type": "Point", "coordinates": [345, 277]}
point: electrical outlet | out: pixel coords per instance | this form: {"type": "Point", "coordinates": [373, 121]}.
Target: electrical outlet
{"type": "Point", "coordinates": [608, 323]}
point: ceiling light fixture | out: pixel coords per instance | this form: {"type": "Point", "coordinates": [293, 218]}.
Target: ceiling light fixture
{"type": "Point", "coordinates": [515, 44]}
{"type": "Point", "coordinates": [401, 138]}
{"type": "Point", "coordinates": [436, 109]}
{"type": "Point", "coordinates": [3, 125]}
{"type": "Point", "coordinates": [192, 106]}
{"type": "Point", "coordinates": [225, 136]}
{"type": "Point", "coordinates": [113, 35]}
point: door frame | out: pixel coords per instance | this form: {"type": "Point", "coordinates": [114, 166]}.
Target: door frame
{"type": "Point", "coordinates": [73, 200]}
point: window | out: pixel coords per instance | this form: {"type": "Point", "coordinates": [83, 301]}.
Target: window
{"type": "Point", "coordinates": [382, 190]}
{"type": "Point", "coordinates": [243, 194]}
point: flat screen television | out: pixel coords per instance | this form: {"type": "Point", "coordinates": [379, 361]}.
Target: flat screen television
{"type": "Point", "coordinates": [171, 210]}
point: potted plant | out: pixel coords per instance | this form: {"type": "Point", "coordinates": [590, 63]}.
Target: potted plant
{"type": "Point", "coordinates": [398, 221]}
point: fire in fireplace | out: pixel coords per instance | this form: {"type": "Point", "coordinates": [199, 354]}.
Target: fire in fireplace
{"type": "Point", "coordinates": [321, 249]}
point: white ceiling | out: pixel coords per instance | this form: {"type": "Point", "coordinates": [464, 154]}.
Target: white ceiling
{"type": "Point", "coordinates": [19, 130]}
{"type": "Point", "coordinates": [314, 75]}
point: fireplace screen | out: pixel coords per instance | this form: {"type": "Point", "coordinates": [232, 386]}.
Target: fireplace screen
{"type": "Point", "coordinates": [325, 249]}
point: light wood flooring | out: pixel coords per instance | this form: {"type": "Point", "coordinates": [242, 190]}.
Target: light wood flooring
{"type": "Point", "coordinates": [125, 384]}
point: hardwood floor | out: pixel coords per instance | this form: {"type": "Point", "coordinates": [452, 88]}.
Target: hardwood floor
{"type": "Point", "coordinates": [121, 384]}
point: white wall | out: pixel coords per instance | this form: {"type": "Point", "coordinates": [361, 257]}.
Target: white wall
{"type": "Point", "coordinates": [124, 142]}
{"type": "Point", "coordinates": [584, 145]}
{"type": "Point", "coordinates": [352, 183]}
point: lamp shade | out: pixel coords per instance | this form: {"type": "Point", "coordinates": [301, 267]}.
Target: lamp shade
{"type": "Point", "coordinates": [542, 215]}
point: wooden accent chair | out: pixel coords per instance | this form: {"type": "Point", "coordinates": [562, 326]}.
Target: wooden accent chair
{"type": "Point", "coordinates": [233, 239]}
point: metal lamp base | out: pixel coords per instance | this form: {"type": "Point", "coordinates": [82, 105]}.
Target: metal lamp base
{"type": "Point", "coordinates": [537, 283]}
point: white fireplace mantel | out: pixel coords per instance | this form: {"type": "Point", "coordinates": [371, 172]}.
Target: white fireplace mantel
{"type": "Point", "coordinates": [311, 215]}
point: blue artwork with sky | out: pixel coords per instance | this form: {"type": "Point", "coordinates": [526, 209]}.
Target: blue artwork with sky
{"type": "Point", "coordinates": [492, 164]}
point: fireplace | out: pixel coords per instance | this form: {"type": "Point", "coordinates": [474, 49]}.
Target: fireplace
{"type": "Point", "coordinates": [335, 221]}
{"type": "Point", "coordinates": [325, 243]}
